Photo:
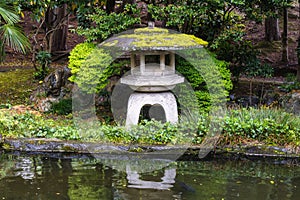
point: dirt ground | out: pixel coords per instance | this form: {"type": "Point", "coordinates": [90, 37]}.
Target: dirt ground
{"type": "Point", "coordinates": [271, 53]}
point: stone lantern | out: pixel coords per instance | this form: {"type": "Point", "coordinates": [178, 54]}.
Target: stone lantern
{"type": "Point", "coordinates": [153, 75]}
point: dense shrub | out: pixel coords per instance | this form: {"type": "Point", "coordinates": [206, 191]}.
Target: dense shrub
{"type": "Point", "coordinates": [63, 107]}
{"type": "Point", "coordinates": [103, 25]}
{"type": "Point", "coordinates": [43, 59]}
{"type": "Point", "coordinates": [224, 29]}
{"type": "Point", "coordinates": [232, 47]}
{"type": "Point", "coordinates": [204, 18]}
{"type": "Point", "coordinates": [92, 67]}
{"type": "Point", "coordinates": [196, 77]}
{"type": "Point", "coordinates": [78, 55]}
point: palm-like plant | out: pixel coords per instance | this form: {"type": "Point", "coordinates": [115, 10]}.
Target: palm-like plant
{"type": "Point", "coordinates": [10, 34]}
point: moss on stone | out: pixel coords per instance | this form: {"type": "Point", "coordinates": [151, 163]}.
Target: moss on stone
{"type": "Point", "coordinates": [153, 30]}
{"type": "Point", "coordinates": [67, 148]}
{"type": "Point", "coordinates": [164, 40]}
{"type": "Point", "coordinates": [6, 146]}
{"type": "Point", "coordinates": [153, 38]}
{"type": "Point", "coordinates": [111, 43]}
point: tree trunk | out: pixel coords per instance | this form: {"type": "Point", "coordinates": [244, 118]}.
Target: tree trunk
{"type": "Point", "coordinates": [110, 6]}
{"type": "Point", "coordinates": [58, 39]}
{"type": "Point", "coordinates": [272, 29]}
{"type": "Point", "coordinates": [298, 47]}
{"type": "Point", "coordinates": [298, 55]}
{"type": "Point", "coordinates": [285, 55]}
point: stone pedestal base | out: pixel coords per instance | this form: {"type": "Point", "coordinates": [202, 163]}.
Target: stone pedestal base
{"type": "Point", "coordinates": [138, 100]}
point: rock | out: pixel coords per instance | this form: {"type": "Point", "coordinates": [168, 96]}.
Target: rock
{"type": "Point", "coordinates": [270, 97]}
{"type": "Point", "coordinates": [54, 82]}
{"type": "Point", "coordinates": [54, 88]}
{"type": "Point", "coordinates": [57, 87]}
{"type": "Point", "coordinates": [45, 104]}
{"type": "Point", "coordinates": [291, 102]}
{"type": "Point", "coordinates": [246, 101]}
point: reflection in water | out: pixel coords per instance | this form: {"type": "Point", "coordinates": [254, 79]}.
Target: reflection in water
{"type": "Point", "coordinates": [24, 168]}
{"type": "Point", "coordinates": [134, 180]}
{"type": "Point", "coordinates": [35, 178]}
{"type": "Point", "coordinates": [43, 177]}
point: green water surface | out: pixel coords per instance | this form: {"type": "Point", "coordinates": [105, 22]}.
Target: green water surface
{"type": "Point", "coordinates": [54, 177]}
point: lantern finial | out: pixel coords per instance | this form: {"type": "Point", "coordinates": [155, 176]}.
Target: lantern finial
{"type": "Point", "coordinates": [151, 24]}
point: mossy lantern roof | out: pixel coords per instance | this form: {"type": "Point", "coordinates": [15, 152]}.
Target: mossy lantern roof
{"type": "Point", "coordinates": [153, 39]}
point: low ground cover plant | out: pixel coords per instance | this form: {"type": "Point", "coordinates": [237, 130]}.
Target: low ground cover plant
{"type": "Point", "coordinates": [265, 125]}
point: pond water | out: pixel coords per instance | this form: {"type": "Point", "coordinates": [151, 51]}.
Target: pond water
{"type": "Point", "coordinates": [83, 177]}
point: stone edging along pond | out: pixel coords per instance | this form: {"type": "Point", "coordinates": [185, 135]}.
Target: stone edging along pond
{"type": "Point", "coordinates": [61, 146]}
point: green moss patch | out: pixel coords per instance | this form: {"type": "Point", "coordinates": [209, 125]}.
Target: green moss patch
{"type": "Point", "coordinates": [269, 47]}
{"type": "Point", "coordinates": [16, 86]}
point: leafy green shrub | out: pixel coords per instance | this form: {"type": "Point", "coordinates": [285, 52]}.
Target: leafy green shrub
{"type": "Point", "coordinates": [82, 13]}
{"type": "Point", "coordinates": [92, 67]}
{"type": "Point", "coordinates": [204, 18]}
{"type": "Point", "coordinates": [44, 59]}
{"type": "Point", "coordinates": [290, 84]}
{"type": "Point", "coordinates": [255, 68]}
{"type": "Point", "coordinates": [224, 29]}
{"type": "Point", "coordinates": [232, 47]}
{"type": "Point", "coordinates": [90, 70]}
{"type": "Point", "coordinates": [104, 25]}
{"type": "Point", "coordinates": [195, 78]}
{"type": "Point", "coordinates": [28, 125]}
{"type": "Point", "coordinates": [269, 125]}
{"type": "Point", "coordinates": [147, 132]}
{"type": "Point", "coordinates": [77, 56]}
{"type": "Point", "coordinates": [63, 107]}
